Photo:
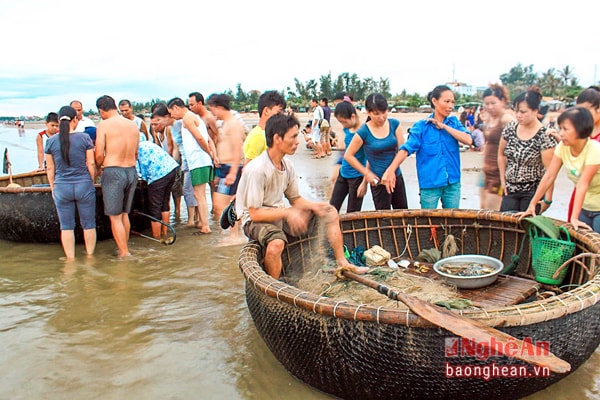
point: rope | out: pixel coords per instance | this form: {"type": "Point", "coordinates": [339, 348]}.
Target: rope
{"type": "Point", "coordinates": [358, 308]}
{"type": "Point", "coordinates": [514, 259]}
{"type": "Point", "coordinates": [409, 231]}
{"type": "Point", "coordinates": [335, 307]}
{"type": "Point", "coordinates": [378, 308]}
{"type": "Point", "coordinates": [298, 295]}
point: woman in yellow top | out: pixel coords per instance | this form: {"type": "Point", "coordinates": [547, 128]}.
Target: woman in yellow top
{"type": "Point", "coordinates": [581, 158]}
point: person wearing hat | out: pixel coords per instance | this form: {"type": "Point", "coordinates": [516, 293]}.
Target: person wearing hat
{"type": "Point", "coordinates": [71, 169]}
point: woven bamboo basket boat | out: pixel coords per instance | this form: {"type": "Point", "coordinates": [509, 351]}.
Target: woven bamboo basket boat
{"type": "Point", "coordinates": [28, 213]}
{"type": "Point", "coordinates": [359, 351]}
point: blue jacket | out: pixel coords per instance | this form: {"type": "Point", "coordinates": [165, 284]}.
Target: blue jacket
{"type": "Point", "coordinates": [438, 153]}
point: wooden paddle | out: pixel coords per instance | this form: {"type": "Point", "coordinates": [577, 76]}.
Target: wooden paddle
{"type": "Point", "coordinates": [468, 328]}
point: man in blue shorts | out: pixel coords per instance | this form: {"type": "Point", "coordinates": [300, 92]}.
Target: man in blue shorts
{"type": "Point", "coordinates": [230, 154]}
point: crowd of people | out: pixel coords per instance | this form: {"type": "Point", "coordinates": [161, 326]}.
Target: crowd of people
{"type": "Point", "coordinates": [522, 154]}
{"type": "Point", "coordinates": [195, 145]}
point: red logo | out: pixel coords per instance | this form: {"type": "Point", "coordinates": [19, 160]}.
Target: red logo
{"type": "Point", "coordinates": [451, 347]}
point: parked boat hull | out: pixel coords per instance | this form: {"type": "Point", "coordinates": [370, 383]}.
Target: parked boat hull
{"type": "Point", "coordinates": [28, 213]}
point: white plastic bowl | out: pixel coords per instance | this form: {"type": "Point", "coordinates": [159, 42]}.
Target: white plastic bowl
{"type": "Point", "coordinates": [470, 282]}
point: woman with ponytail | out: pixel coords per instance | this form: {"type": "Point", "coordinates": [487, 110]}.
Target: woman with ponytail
{"type": "Point", "coordinates": [71, 169]}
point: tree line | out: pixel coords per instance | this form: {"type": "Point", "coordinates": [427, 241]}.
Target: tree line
{"type": "Point", "coordinates": [561, 84]}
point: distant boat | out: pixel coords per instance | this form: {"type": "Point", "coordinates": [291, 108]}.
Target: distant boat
{"type": "Point", "coordinates": [28, 213]}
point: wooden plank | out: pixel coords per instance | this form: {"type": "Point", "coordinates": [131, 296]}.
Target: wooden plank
{"type": "Point", "coordinates": [507, 290]}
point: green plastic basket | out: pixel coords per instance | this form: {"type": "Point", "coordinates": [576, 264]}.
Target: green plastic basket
{"type": "Point", "coordinates": [549, 254]}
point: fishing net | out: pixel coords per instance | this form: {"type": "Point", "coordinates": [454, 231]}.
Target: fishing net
{"type": "Point", "coordinates": [324, 283]}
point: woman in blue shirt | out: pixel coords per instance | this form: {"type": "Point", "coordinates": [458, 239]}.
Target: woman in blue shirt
{"type": "Point", "coordinates": [159, 169]}
{"type": "Point", "coordinates": [349, 182]}
{"type": "Point", "coordinates": [435, 140]}
{"type": "Point", "coordinates": [380, 138]}
{"type": "Point", "coordinates": [71, 168]}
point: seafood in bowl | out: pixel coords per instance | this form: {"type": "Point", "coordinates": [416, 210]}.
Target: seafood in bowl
{"type": "Point", "coordinates": [469, 271]}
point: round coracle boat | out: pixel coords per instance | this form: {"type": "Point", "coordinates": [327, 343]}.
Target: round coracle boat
{"type": "Point", "coordinates": [363, 351]}
{"type": "Point", "coordinates": [28, 213]}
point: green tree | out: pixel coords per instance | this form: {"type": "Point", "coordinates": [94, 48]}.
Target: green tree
{"type": "Point", "coordinates": [384, 87]}
{"type": "Point", "coordinates": [549, 82]}
{"type": "Point", "coordinates": [566, 74]}
{"type": "Point", "coordinates": [518, 79]}
{"type": "Point", "coordinates": [240, 96]}
{"type": "Point", "coordinates": [326, 86]}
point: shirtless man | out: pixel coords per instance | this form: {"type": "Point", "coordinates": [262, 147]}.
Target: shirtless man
{"type": "Point", "coordinates": [126, 111]}
{"type": "Point", "coordinates": [230, 154]}
{"type": "Point", "coordinates": [116, 153]}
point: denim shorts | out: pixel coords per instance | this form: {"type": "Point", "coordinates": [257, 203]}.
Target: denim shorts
{"type": "Point", "coordinates": [592, 218]}
{"type": "Point", "coordinates": [449, 195]}
{"type": "Point", "coordinates": [71, 196]}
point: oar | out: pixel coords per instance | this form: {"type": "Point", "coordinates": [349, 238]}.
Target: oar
{"type": "Point", "coordinates": [168, 241]}
{"type": "Point", "coordinates": [468, 328]}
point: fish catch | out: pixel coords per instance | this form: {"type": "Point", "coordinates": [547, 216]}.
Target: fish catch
{"type": "Point", "coordinates": [466, 269]}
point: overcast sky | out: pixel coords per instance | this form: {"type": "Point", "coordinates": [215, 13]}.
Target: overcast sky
{"type": "Point", "coordinates": [60, 50]}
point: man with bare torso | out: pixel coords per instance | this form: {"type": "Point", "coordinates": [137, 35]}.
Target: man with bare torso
{"type": "Point", "coordinates": [230, 154]}
{"type": "Point", "coordinates": [117, 140]}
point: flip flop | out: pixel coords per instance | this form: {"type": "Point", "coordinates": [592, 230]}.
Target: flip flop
{"type": "Point", "coordinates": [228, 216]}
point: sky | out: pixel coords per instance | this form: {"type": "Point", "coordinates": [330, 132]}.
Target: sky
{"type": "Point", "coordinates": [57, 51]}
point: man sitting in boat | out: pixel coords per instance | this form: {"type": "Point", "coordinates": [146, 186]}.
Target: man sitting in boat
{"type": "Point", "coordinates": [260, 200]}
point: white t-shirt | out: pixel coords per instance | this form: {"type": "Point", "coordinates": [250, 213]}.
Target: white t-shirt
{"type": "Point", "coordinates": [317, 115]}
{"type": "Point", "coordinates": [263, 185]}
{"type": "Point", "coordinates": [83, 123]}
{"type": "Point", "coordinates": [195, 156]}
{"type": "Point", "coordinates": [138, 121]}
